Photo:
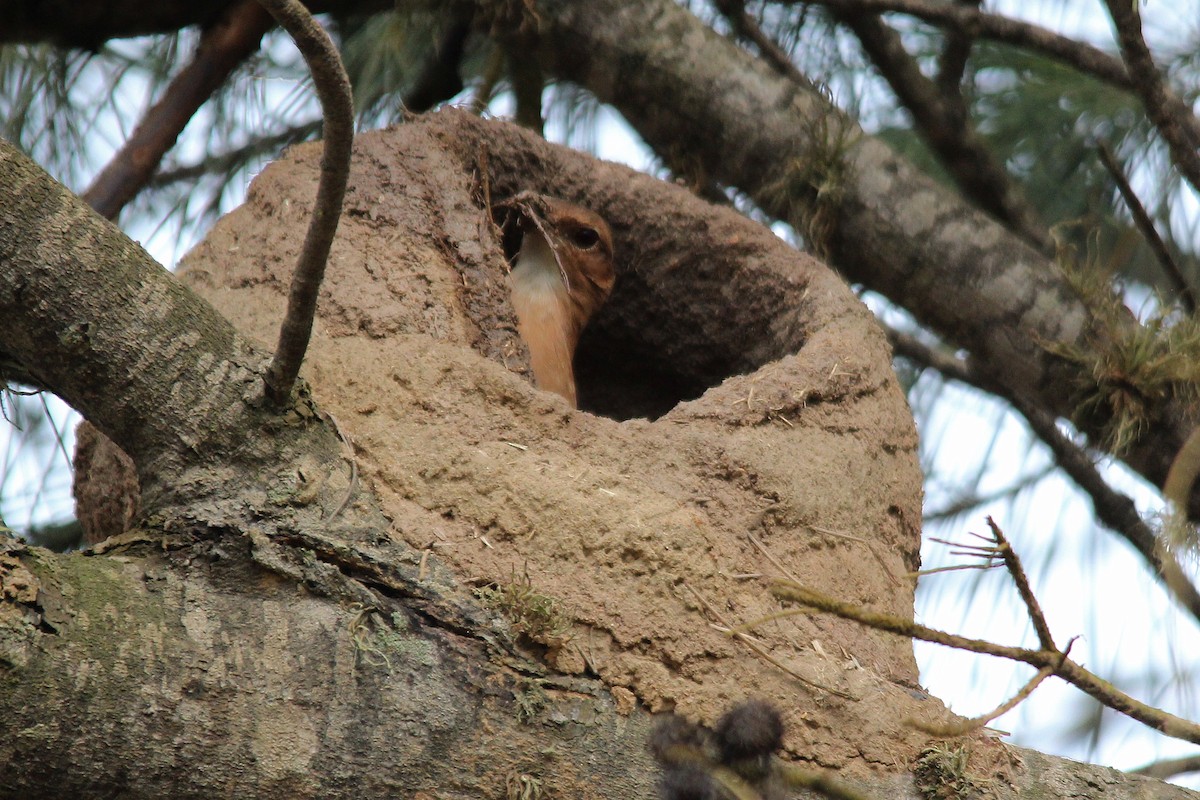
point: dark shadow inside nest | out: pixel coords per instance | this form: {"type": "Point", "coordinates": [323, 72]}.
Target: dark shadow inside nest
{"type": "Point", "coordinates": [642, 355]}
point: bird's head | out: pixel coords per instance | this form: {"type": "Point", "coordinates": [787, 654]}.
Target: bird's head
{"type": "Point", "coordinates": [579, 241]}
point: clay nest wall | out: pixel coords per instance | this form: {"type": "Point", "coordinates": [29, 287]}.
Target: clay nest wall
{"type": "Point", "coordinates": [731, 388]}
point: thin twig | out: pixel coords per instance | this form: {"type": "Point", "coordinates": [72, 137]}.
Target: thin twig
{"type": "Point", "coordinates": [1063, 667]}
{"type": "Point", "coordinates": [921, 573]}
{"type": "Point", "coordinates": [887, 572]}
{"type": "Point", "coordinates": [971, 502]}
{"type": "Point", "coordinates": [222, 48]}
{"type": "Point", "coordinates": [348, 454]}
{"type": "Point", "coordinates": [1146, 226]}
{"type": "Point", "coordinates": [224, 163]}
{"type": "Point", "coordinates": [333, 90]}
{"type": "Point", "coordinates": [800, 778]}
{"type": "Point", "coordinates": [1115, 509]}
{"type": "Point", "coordinates": [1021, 580]}
{"type": "Point", "coordinates": [988, 550]}
{"type": "Point", "coordinates": [746, 27]}
{"type": "Point", "coordinates": [762, 548]}
{"type": "Point", "coordinates": [963, 727]}
{"type": "Point", "coordinates": [908, 346]}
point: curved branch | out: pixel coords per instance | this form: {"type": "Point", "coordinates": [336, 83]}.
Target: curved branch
{"type": "Point", "coordinates": [222, 47]}
{"type": "Point", "coordinates": [333, 89]}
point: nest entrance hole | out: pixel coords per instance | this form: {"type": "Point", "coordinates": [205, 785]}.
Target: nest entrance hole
{"type": "Point", "coordinates": [647, 351]}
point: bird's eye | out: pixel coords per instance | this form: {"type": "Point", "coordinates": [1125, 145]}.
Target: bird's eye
{"type": "Point", "coordinates": [585, 238]}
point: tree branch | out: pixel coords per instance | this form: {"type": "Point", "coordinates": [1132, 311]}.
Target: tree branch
{"type": "Point", "coordinates": [944, 125]}
{"type": "Point", "coordinates": [439, 79]}
{"type": "Point", "coordinates": [333, 89]}
{"type": "Point", "coordinates": [1045, 658]}
{"type": "Point", "coordinates": [222, 47]}
{"type": "Point", "coordinates": [1115, 510]}
{"type": "Point", "coordinates": [1146, 225]}
{"type": "Point", "coordinates": [745, 27]}
{"type": "Point", "coordinates": [1170, 115]}
{"type": "Point", "coordinates": [952, 63]}
{"type": "Point", "coordinates": [1169, 768]}
{"type": "Point", "coordinates": [223, 163]}
{"type": "Point", "coordinates": [525, 75]}
{"type": "Point", "coordinates": [76, 288]}
{"type": "Point", "coordinates": [995, 27]}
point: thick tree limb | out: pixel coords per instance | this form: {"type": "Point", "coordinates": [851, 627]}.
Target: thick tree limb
{"type": "Point", "coordinates": [78, 291]}
{"type": "Point", "coordinates": [344, 689]}
{"type": "Point", "coordinates": [223, 47]}
{"type": "Point", "coordinates": [90, 316]}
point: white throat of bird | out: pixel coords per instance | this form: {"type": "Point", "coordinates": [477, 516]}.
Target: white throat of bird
{"type": "Point", "coordinates": [542, 301]}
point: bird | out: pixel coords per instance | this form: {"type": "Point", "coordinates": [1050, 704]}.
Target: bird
{"type": "Point", "coordinates": [562, 272]}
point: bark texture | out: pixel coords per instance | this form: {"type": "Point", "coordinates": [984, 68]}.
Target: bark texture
{"type": "Point", "coordinates": [89, 314]}
{"type": "Point", "coordinates": [188, 669]}
{"type": "Point", "coordinates": [223, 666]}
